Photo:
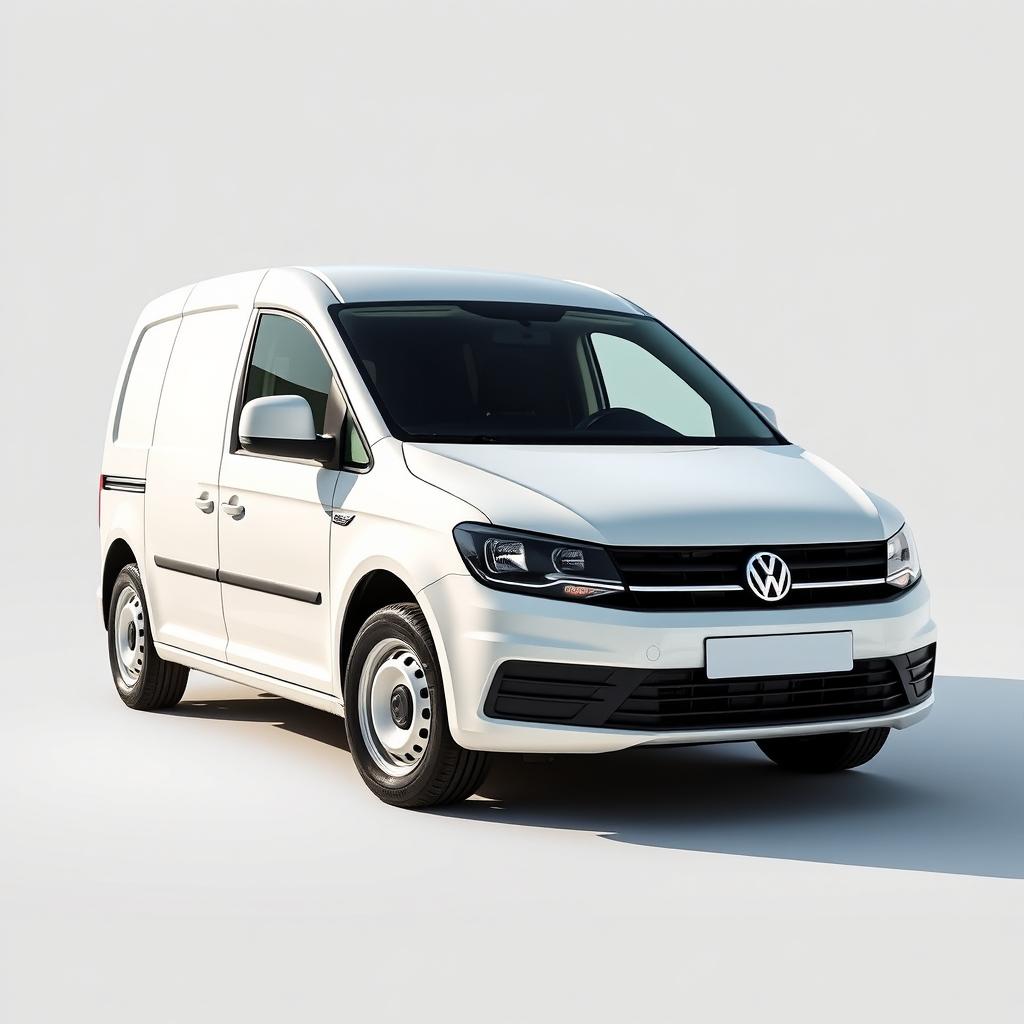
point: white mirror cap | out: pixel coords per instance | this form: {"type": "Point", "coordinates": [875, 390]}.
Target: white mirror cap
{"type": "Point", "coordinates": [767, 412]}
{"type": "Point", "coordinates": [281, 417]}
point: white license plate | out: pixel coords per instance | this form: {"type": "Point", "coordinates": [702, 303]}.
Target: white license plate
{"type": "Point", "coordinates": [790, 654]}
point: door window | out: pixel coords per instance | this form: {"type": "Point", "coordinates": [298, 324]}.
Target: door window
{"type": "Point", "coordinates": [286, 360]}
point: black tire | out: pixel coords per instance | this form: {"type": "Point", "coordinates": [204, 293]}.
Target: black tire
{"type": "Point", "coordinates": [445, 772]}
{"type": "Point", "coordinates": [160, 684]}
{"type": "Point", "coordinates": [833, 752]}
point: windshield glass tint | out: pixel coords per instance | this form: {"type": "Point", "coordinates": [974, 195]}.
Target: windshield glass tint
{"type": "Point", "coordinates": [511, 373]}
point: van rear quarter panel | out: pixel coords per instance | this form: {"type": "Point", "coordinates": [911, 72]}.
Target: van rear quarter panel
{"type": "Point", "coordinates": [149, 348]}
{"type": "Point", "coordinates": [122, 514]}
{"type": "Point", "coordinates": [135, 416]}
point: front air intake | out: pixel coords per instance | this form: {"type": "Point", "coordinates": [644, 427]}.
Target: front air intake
{"type": "Point", "coordinates": [685, 699]}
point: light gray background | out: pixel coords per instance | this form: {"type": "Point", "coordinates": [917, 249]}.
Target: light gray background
{"type": "Point", "coordinates": [825, 197]}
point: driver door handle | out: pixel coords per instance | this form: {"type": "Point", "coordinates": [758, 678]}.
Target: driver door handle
{"type": "Point", "coordinates": [204, 503]}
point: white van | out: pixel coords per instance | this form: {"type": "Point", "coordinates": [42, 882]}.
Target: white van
{"type": "Point", "coordinates": [479, 512]}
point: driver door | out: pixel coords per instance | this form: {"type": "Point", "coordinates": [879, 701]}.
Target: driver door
{"type": "Point", "coordinates": [275, 522]}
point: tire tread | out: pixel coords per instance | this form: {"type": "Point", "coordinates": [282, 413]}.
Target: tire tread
{"type": "Point", "coordinates": [831, 752]}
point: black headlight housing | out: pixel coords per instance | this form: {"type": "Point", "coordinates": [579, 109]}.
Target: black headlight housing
{"type": "Point", "coordinates": [531, 563]}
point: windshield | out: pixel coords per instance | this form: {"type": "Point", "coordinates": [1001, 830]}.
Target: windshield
{"type": "Point", "coordinates": [510, 373]}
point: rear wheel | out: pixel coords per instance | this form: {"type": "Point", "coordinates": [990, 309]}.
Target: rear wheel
{"type": "Point", "coordinates": [833, 752]}
{"type": "Point", "coordinates": [143, 679]}
{"type": "Point", "coordinates": [396, 718]}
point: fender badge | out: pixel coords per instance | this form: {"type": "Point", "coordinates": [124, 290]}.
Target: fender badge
{"type": "Point", "coordinates": [342, 518]}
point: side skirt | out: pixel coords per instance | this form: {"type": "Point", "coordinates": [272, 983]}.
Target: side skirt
{"type": "Point", "coordinates": [278, 687]}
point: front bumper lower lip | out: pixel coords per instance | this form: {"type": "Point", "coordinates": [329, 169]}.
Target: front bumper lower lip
{"type": "Point", "coordinates": [902, 719]}
{"type": "Point", "coordinates": [540, 737]}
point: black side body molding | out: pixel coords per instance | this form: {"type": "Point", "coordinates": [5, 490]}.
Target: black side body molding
{"type": "Point", "coordinates": [235, 579]}
{"type": "Point", "coordinates": [188, 568]}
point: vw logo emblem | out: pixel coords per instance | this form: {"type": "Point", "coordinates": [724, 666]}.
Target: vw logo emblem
{"type": "Point", "coordinates": [768, 576]}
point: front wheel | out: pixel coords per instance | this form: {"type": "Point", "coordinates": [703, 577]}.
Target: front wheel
{"type": "Point", "coordinates": [395, 715]}
{"type": "Point", "coordinates": [832, 752]}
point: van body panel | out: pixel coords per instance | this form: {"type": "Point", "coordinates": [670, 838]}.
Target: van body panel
{"type": "Point", "coordinates": [706, 495]}
{"type": "Point", "coordinates": [126, 457]}
{"type": "Point", "coordinates": [122, 513]}
{"type": "Point", "coordinates": [275, 568]}
{"type": "Point", "coordinates": [381, 533]}
{"type": "Point", "coordinates": [184, 471]}
{"type": "Point", "coordinates": [484, 628]}
{"type": "Point", "coordinates": [136, 414]}
{"type": "Point", "coordinates": [236, 290]}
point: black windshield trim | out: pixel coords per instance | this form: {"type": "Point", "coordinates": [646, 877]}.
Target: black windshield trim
{"type": "Point", "coordinates": [582, 440]}
{"type": "Point", "coordinates": [592, 440]}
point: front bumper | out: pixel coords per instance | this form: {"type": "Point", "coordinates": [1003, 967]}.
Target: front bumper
{"type": "Point", "coordinates": [476, 629]}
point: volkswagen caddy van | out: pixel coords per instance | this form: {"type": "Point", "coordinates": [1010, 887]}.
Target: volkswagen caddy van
{"type": "Point", "coordinates": [476, 512]}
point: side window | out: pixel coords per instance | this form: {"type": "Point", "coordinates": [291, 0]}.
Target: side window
{"type": "Point", "coordinates": [286, 360]}
{"type": "Point", "coordinates": [638, 380]}
{"type": "Point", "coordinates": [353, 451]}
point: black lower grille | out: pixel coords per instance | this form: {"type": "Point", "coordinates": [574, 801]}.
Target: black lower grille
{"type": "Point", "coordinates": [694, 702]}
{"type": "Point", "coordinates": [680, 699]}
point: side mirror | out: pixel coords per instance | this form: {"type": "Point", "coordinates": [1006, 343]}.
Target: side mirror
{"type": "Point", "coordinates": [767, 412]}
{"type": "Point", "coordinates": [282, 425]}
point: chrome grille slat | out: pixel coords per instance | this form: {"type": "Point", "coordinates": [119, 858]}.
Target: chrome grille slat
{"type": "Point", "coordinates": [713, 578]}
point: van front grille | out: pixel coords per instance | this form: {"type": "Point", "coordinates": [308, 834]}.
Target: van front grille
{"type": "Point", "coordinates": [714, 578]}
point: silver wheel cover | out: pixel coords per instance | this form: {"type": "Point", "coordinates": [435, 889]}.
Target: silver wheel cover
{"type": "Point", "coordinates": [129, 636]}
{"type": "Point", "coordinates": [393, 691]}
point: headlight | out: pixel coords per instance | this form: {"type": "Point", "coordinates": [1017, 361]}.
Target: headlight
{"type": "Point", "coordinates": [544, 566]}
{"type": "Point", "coordinates": [903, 566]}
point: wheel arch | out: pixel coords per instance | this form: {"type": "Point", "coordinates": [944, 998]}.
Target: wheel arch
{"type": "Point", "coordinates": [381, 585]}
{"type": "Point", "coordinates": [376, 588]}
{"type": "Point", "coordinates": [119, 554]}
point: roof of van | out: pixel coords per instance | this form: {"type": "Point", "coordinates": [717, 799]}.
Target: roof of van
{"type": "Point", "coordinates": [421, 284]}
